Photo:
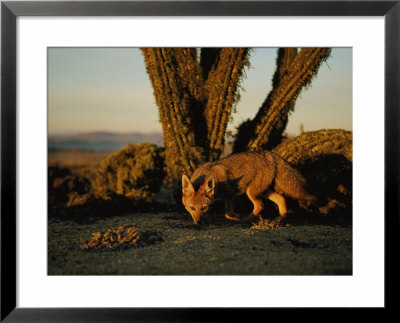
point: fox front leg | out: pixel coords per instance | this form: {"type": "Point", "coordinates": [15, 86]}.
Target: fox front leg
{"type": "Point", "coordinates": [257, 202]}
{"type": "Point", "coordinates": [230, 210]}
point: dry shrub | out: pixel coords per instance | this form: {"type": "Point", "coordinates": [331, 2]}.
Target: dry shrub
{"type": "Point", "coordinates": [136, 171]}
{"type": "Point", "coordinates": [66, 188]}
{"type": "Point", "coordinates": [325, 158]}
{"type": "Point", "coordinates": [264, 224]}
{"type": "Point", "coordinates": [312, 145]}
{"type": "Point", "coordinates": [120, 238]}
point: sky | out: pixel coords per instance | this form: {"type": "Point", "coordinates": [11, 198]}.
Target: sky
{"type": "Point", "coordinates": [108, 89]}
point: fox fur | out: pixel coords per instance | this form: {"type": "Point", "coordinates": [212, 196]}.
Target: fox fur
{"type": "Point", "coordinates": [256, 174]}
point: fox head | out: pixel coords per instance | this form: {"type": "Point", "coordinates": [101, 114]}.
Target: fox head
{"type": "Point", "coordinates": [197, 202]}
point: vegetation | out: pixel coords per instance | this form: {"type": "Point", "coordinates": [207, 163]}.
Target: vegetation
{"type": "Point", "coordinates": [122, 238]}
{"type": "Point", "coordinates": [315, 144]}
{"type": "Point", "coordinates": [136, 171]}
{"type": "Point", "coordinates": [196, 92]}
{"type": "Point", "coordinates": [67, 188]}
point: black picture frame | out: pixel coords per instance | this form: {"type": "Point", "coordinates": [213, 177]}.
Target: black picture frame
{"type": "Point", "coordinates": [10, 10]}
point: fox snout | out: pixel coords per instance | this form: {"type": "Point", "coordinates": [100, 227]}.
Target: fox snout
{"type": "Point", "coordinates": [197, 214]}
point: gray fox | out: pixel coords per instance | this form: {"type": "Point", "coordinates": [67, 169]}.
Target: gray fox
{"type": "Point", "coordinates": [258, 174]}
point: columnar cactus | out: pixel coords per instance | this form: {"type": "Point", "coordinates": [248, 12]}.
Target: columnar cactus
{"type": "Point", "coordinates": [196, 92]}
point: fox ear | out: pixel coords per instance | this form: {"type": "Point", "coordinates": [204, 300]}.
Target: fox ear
{"type": "Point", "coordinates": [187, 187]}
{"type": "Point", "coordinates": [210, 186]}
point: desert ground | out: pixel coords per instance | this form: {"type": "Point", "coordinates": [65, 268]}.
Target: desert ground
{"type": "Point", "coordinates": [171, 244]}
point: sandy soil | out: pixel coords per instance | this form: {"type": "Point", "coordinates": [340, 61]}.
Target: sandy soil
{"type": "Point", "coordinates": [218, 247]}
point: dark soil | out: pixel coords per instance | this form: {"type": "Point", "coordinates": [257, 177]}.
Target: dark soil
{"type": "Point", "coordinates": [309, 246]}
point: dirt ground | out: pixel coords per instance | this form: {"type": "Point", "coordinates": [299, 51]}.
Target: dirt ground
{"type": "Point", "coordinates": [217, 247]}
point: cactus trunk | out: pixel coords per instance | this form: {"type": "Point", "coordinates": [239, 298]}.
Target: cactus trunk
{"type": "Point", "coordinates": [222, 93]}
{"type": "Point", "coordinates": [195, 96]}
{"type": "Point", "coordinates": [172, 90]}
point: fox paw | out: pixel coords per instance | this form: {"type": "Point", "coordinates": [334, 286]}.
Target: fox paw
{"type": "Point", "coordinates": [233, 217]}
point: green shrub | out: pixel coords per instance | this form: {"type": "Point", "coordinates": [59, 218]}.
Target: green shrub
{"type": "Point", "coordinates": [136, 171]}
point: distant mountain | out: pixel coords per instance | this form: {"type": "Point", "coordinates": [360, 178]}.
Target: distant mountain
{"type": "Point", "coordinates": [101, 140]}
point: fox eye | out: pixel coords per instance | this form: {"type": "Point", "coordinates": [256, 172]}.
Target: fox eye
{"type": "Point", "coordinates": [204, 208]}
{"type": "Point", "coordinates": [192, 208]}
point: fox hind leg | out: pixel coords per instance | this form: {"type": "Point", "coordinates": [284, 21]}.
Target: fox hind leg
{"type": "Point", "coordinates": [280, 201]}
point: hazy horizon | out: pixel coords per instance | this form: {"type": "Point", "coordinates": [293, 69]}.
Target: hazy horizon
{"type": "Point", "coordinates": [101, 131]}
{"type": "Point", "coordinates": [108, 90]}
